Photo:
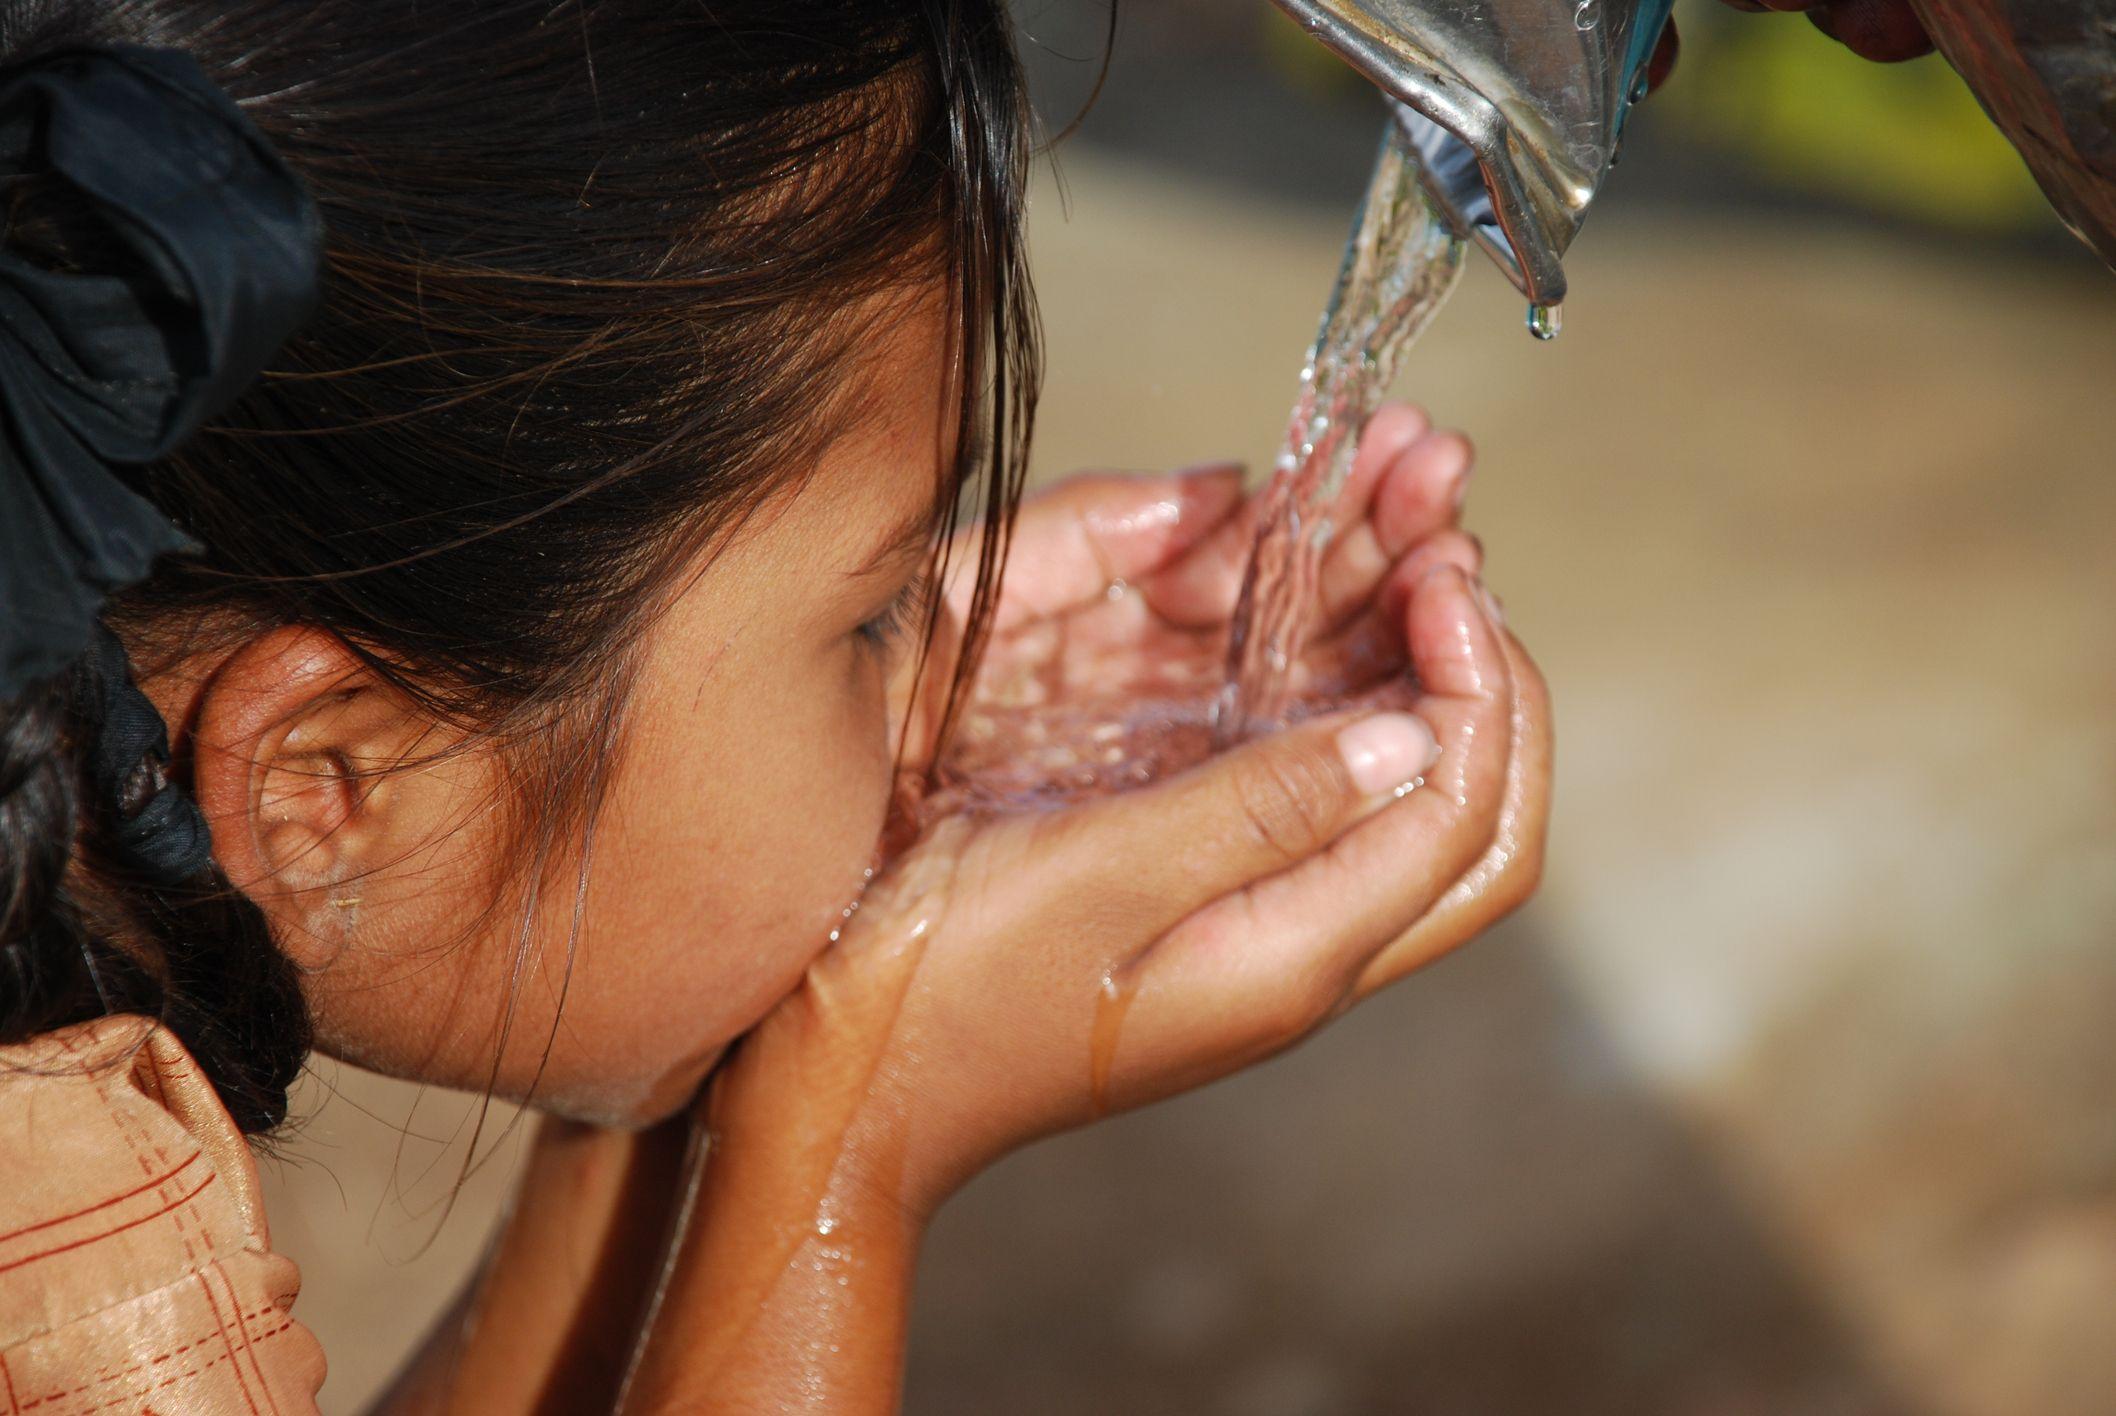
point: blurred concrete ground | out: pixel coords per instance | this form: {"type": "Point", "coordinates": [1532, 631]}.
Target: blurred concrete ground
{"type": "Point", "coordinates": [1796, 1089]}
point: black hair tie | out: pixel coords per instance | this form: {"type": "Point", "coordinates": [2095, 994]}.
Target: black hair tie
{"type": "Point", "coordinates": [217, 259]}
{"type": "Point", "coordinates": [165, 837]}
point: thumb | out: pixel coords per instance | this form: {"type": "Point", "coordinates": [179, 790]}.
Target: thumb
{"type": "Point", "coordinates": [1167, 850]}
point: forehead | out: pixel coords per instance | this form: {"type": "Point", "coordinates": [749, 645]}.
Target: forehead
{"type": "Point", "coordinates": [876, 467]}
{"type": "Point", "coordinates": [886, 459]}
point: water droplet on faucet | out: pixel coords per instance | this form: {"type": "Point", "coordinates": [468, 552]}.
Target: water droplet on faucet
{"type": "Point", "coordinates": [1544, 321]}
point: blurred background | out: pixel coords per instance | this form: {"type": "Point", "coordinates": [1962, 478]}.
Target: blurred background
{"type": "Point", "coordinates": [1795, 1090]}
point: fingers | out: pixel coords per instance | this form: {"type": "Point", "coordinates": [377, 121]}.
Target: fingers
{"type": "Point", "coordinates": [1377, 637]}
{"type": "Point", "coordinates": [1885, 31]}
{"type": "Point", "coordinates": [1393, 430]}
{"type": "Point", "coordinates": [1184, 540]}
{"type": "Point", "coordinates": [1508, 874]}
{"type": "Point", "coordinates": [1200, 588]}
{"type": "Point", "coordinates": [1285, 954]}
{"type": "Point", "coordinates": [1456, 548]}
{"type": "Point", "coordinates": [1085, 533]}
{"type": "Point", "coordinates": [1151, 857]}
{"type": "Point", "coordinates": [1421, 495]}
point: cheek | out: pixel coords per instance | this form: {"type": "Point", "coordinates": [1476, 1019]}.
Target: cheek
{"type": "Point", "coordinates": [735, 835]}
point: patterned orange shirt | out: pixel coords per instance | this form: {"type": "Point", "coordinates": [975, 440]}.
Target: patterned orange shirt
{"type": "Point", "coordinates": [136, 1270]}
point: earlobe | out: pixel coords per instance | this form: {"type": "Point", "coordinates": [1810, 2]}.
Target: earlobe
{"type": "Point", "coordinates": [278, 727]}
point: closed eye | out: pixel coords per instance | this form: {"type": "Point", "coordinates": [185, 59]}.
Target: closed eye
{"type": "Point", "coordinates": [887, 629]}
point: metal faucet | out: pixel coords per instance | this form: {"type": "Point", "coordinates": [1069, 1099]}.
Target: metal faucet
{"type": "Point", "coordinates": [1517, 107]}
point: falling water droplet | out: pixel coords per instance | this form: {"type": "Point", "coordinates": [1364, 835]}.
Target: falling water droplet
{"type": "Point", "coordinates": [1544, 321]}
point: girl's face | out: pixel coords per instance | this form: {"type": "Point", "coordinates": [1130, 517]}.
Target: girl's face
{"type": "Point", "coordinates": [748, 795]}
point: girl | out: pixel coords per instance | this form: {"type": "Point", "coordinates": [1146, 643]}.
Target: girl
{"type": "Point", "coordinates": [539, 643]}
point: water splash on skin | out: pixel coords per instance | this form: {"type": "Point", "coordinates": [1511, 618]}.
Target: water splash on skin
{"type": "Point", "coordinates": [1119, 987]}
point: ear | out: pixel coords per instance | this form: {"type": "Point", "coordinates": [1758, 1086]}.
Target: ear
{"type": "Point", "coordinates": [291, 739]}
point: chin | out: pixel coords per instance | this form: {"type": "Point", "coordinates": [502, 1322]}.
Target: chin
{"type": "Point", "coordinates": [630, 1103]}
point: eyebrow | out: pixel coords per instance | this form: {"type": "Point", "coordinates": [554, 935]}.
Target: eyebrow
{"type": "Point", "coordinates": [912, 535]}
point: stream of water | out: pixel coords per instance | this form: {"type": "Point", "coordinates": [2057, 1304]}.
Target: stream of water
{"type": "Point", "coordinates": [1110, 698]}
{"type": "Point", "coordinates": [1399, 268]}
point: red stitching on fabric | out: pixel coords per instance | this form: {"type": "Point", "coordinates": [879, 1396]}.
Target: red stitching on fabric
{"type": "Point", "coordinates": [100, 1379]}
{"type": "Point", "coordinates": [140, 1137]}
{"type": "Point", "coordinates": [6, 1376]}
{"type": "Point", "coordinates": [116, 1115]}
{"type": "Point", "coordinates": [242, 1331]}
{"type": "Point", "coordinates": [170, 1380]}
{"type": "Point", "coordinates": [102, 1204]}
{"type": "Point", "coordinates": [233, 1365]}
{"type": "Point", "coordinates": [176, 1215]}
{"type": "Point", "coordinates": [103, 1375]}
{"type": "Point", "coordinates": [120, 1229]}
{"type": "Point", "coordinates": [204, 1227]}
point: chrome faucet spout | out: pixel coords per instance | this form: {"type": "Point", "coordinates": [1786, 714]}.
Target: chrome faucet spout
{"type": "Point", "coordinates": [1514, 106]}
{"type": "Point", "coordinates": [1517, 106]}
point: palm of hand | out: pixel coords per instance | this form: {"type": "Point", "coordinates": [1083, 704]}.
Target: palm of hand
{"type": "Point", "coordinates": [1108, 658]}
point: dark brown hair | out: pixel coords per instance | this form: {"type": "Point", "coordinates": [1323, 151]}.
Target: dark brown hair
{"type": "Point", "coordinates": [586, 267]}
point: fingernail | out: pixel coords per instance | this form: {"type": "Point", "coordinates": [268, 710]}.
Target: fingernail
{"type": "Point", "coordinates": [1458, 493]}
{"type": "Point", "coordinates": [1385, 751]}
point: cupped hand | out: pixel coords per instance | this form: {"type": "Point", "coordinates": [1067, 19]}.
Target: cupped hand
{"type": "Point", "coordinates": [1108, 650]}
{"type": "Point", "coordinates": [1017, 972]}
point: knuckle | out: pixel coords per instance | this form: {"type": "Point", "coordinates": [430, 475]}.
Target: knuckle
{"type": "Point", "coordinates": [1287, 802]}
